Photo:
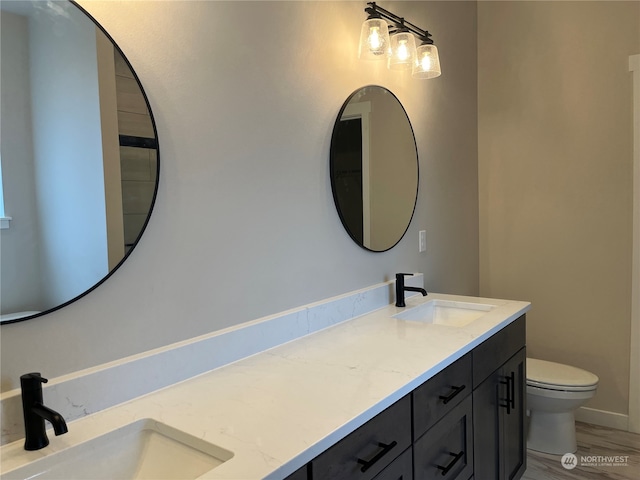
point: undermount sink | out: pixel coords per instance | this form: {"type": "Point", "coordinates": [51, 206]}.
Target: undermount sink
{"type": "Point", "coordinates": [445, 312]}
{"type": "Point", "coordinates": [145, 449]}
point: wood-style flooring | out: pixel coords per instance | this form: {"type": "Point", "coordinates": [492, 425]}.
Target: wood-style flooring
{"type": "Point", "coordinates": [592, 441]}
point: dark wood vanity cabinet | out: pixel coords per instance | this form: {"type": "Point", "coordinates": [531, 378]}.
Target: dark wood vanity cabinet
{"type": "Point", "coordinates": [465, 422]}
{"type": "Point", "coordinates": [499, 404]}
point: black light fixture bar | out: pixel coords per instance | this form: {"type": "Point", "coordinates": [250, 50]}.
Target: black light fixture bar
{"type": "Point", "coordinates": [399, 23]}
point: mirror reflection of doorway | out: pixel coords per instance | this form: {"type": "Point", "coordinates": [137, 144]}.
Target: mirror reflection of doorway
{"type": "Point", "coordinates": [351, 168]}
{"type": "Point", "coordinates": [348, 174]}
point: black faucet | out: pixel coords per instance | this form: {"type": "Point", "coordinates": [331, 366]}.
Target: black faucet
{"type": "Point", "coordinates": [35, 413]}
{"type": "Point", "coordinates": [401, 288]}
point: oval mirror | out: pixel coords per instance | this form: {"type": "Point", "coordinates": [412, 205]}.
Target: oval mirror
{"type": "Point", "coordinates": [79, 157]}
{"type": "Point", "coordinates": [374, 168]}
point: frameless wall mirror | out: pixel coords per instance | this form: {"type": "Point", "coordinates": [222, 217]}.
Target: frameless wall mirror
{"type": "Point", "coordinates": [79, 157]}
{"type": "Point", "coordinates": [374, 168]}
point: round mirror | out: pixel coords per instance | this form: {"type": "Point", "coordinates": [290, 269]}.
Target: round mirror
{"type": "Point", "coordinates": [374, 168]}
{"type": "Point", "coordinates": [79, 157]}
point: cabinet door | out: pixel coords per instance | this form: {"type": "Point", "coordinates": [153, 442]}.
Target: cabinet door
{"type": "Point", "coordinates": [486, 427]}
{"type": "Point", "coordinates": [498, 422]}
{"type": "Point", "coordinates": [400, 469]}
{"type": "Point", "coordinates": [446, 451]}
{"type": "Point", "coordinates": [513, 448]}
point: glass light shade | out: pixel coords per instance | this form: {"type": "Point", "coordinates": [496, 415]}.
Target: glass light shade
{"type": "Point", "coordinates": [427, 64]}
{"type": "Point", "coordinates": [403, 51]}
{"type": "Point", "coordinates": [374, 40]}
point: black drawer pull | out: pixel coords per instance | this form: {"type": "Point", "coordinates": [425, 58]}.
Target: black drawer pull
{"type": "Point", "coordinates": [448, 398]}
{"type": "Point", "coordinates": [456, 457]}
{"type": "Point", "coordinates": [386, 448]}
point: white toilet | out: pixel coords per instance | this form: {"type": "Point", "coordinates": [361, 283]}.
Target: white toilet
{"type": "Point", "coordinates": [554, 392]}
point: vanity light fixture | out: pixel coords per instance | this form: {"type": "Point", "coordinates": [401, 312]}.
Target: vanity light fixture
{"type": "Point", "coordinates": [385, 35]}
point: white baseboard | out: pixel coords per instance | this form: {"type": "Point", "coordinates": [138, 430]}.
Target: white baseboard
{"type": "Point", "coordinates": [603, 418]}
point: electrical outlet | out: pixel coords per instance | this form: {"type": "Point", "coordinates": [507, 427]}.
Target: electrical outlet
{"type": "Point", "coordinates": [422, 242]}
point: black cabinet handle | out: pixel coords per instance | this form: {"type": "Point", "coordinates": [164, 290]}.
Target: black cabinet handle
{"type": "Point", "coordinates": [509, 401]}
{"type": "Point", "coordinates": [456, 457]}
{"type": "Point", "coordinates": [512, 393]}
{"type": "Point", "coordinates": [455, 391]}
{"type": "Point", "coordinates": [386, 448]}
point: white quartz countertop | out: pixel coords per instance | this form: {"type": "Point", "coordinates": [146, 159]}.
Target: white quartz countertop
{"type": "Point", "coordinates": [280, 408]}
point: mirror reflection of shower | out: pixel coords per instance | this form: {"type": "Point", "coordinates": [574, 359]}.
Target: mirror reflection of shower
{"type": "Point", "coordinates": [138, 152]}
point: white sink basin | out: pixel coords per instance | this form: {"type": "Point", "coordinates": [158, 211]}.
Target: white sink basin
{"type": "Point", "coordinates": [445, 312]}
{"type": "Point", "coordinates": [145, 449]}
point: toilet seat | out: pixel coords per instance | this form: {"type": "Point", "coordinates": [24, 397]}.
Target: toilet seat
{"type": "Point", "coordinates": [561, 388]}
{"type": "Point", "coordinates": [556, 376]}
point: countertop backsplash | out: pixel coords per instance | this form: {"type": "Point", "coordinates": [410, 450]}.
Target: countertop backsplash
{"type": "Point", "coordinates": [94, 389]}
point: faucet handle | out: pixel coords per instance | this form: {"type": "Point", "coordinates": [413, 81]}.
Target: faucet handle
{"type": "Point", "coordinates": [34, 376]}
{"type": "Point", "coordinates": [400, 276]}
{"type": "Point", "coordinates": [32, 380]}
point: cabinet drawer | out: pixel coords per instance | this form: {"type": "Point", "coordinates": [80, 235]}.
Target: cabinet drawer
{"type": "Point", "coordinates": [400, 469]}
{"type": "Point", "coordinates": [446, 451]}
{"type": "Point", "coordinates": [439, 395]}
{"type": "Point", "coordinates": [365, 452]}
{"type": "Point", "coordinates": [496, 350]}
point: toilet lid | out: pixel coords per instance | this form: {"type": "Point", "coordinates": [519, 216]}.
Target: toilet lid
{"type": "Point", "coordinates": [558, 376]}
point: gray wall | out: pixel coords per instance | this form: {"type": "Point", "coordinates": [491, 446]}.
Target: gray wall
{"type": "Point", "coordinates": [245, 96]}
{"type": "Point", "coordinates": [555, 162]}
